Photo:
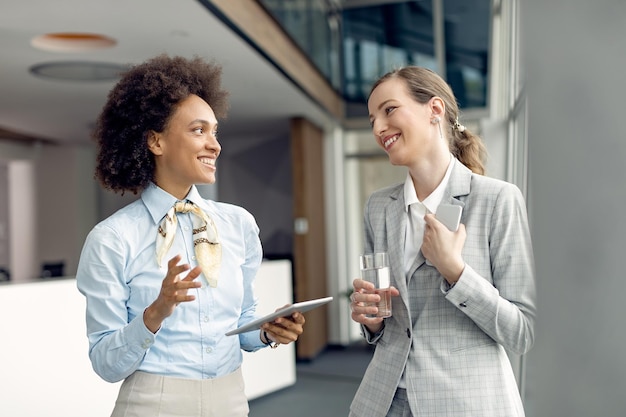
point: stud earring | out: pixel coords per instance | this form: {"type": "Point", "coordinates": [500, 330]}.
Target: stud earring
{"type": "Point", "coordinates": [435, 120]}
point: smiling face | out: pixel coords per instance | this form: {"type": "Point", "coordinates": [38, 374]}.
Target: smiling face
{"type": "Point", "coordinates": [401, 125]}
{"type": "Point", "coordinates": [186, 151]}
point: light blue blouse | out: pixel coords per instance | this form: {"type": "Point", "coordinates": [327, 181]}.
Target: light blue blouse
{"type": "Point", "coordinates": [119, 276]}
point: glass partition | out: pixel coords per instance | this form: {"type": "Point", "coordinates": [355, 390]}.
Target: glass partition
{"type": "Point", "coordinates": [314, 26]}
{"type": "Point", "coordinates": [353, 42]}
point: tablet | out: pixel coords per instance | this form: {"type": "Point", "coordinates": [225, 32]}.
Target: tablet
{"type": "Point", "coordinates": [283, 312]}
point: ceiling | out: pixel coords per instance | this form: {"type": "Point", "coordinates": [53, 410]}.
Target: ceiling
{"type": "Point", "coordinates": [64, 112]}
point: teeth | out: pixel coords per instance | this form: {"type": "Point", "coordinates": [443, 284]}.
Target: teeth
{"type": "Point", "coordinates": [207, 161]}
{"type": "Point", "coordinates": [391, 140]}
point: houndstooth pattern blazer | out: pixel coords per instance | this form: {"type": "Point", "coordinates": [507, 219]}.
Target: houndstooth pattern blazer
{"type": "Point", "coordinates": [451, 342]}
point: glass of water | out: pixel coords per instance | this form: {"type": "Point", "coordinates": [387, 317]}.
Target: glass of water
{"type": "Point", "coordinates": [375, 269]}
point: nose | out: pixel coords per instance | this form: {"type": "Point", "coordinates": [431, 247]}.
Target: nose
{"type": "Point", "coordinates": [212, 144]}
{"type": "Point", "coordinates": [378, 128]}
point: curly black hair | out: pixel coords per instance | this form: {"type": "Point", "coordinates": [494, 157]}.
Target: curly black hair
{"type": "Point", "coordinates": [142, 101]}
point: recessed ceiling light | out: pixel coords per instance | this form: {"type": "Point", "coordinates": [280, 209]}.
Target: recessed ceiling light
{"type": "Point", "coordinates": [79, 70]}
{"type": "Point", "coordinates": [72, 42]}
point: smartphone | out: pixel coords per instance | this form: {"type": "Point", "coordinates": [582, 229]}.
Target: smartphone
{"type": "Point", "coordinates": [449, 215]}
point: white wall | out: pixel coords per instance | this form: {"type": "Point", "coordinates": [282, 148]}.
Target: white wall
{"type": "Point", "coordinates": [575, 60]}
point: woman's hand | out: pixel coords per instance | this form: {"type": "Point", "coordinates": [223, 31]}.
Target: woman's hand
{"type": "Point", "coordinates": [442, 248]}
{"type": "Point", "coordinates": [362, 302]}
{"type": "Point", "coordinates": [173, 292]}
{"type": "Point", "coordinates": [284, 330]}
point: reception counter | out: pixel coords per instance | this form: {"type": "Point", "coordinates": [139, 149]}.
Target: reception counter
{"type": "Point", "coordinates": [44, 366]}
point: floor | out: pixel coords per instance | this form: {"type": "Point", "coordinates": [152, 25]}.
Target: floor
{"type": "Point", "coordinates": [324, 386]}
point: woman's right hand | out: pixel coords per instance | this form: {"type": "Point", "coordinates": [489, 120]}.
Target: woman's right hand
{"type": "Point", "coordinates": [361, 303]}
{"type": "Point", "coordinates": [173, 292]}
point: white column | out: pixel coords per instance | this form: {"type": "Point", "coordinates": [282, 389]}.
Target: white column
{"type": "Point", "coordinates": [22, 220]}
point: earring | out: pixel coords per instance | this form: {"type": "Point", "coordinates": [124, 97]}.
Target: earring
{"type": "Point", "coordinates": [435, 120]}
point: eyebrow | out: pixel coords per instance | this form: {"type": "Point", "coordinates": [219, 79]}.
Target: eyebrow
{"type": "Point", "coordinates": [381, 105]}
{"type": "Point", "coordinates": [202, 121]}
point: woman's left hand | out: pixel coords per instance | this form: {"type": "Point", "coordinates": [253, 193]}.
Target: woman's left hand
{"type": "Point", "coordinates": [442, 248]}
{"type": "Point", "coordinates": [285, 330]}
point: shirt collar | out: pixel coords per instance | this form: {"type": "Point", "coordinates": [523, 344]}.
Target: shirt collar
{"type": "Point", "coordinates": [158, 201]}
{"type": "Point", "coordinates": [434, 199]}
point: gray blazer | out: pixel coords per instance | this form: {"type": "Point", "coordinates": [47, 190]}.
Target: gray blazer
{"type": "Point", "coordinates": [451, 342]}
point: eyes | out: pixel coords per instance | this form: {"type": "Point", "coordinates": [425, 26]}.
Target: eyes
{"type": "Point", "coordinates": [201, 130]}
{"type": "Point", "coordinates": [387, 110]}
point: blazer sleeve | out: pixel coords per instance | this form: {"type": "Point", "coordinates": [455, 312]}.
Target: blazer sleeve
{"type": "Point", "coordinates": [504, 307]}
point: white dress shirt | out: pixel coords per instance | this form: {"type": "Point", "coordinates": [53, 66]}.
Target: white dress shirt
{"type": "Point", "coordinates": [416, 210]}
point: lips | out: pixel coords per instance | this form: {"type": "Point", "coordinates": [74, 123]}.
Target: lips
{"type": "Point", "coordinates": [207, 161]}
{"type": "Point", "coordinates": [389, 140]}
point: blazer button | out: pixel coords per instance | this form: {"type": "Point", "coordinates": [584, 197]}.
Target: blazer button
{"type": "Point", "coordinates": [463, 304]}
{"type": "Point", "coordinates": [408, 333]}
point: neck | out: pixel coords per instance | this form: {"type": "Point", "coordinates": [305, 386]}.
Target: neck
{"type": "Point", "coordinates": [428, 173]}
{"type": "Point", "coordinates": [180, 192]}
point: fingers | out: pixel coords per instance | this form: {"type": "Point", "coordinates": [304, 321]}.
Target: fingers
{"type": "Point", "coordinates": [174, 269]}
{"type": "Point", "coordinates": [174, 289]}
{"type": "Point", "coordinates": [430, 219]}
{"type": "Point", "coordinates": [364, 310]}
{"type": "Point", "coordinates": [360, 284]}
{"type": "Point", "coordinates": [285, 329]}
{"type": "Point", "coordinates": [173, 292]}
{"type": "Point", "coordinates": [362, 300]}
{"type": "Point", "coordinates": [362, 303]}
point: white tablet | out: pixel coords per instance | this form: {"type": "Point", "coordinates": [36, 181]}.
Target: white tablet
{"type": "Point", "coordinates": [283, 312]}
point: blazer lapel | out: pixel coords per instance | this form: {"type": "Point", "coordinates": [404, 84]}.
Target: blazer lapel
{"type": "Point", "coordinates": [395, 223]}
{"type": "Point", "coordinates": [419, 261]}
{"type": "Point", "coordinates": [458, 184]}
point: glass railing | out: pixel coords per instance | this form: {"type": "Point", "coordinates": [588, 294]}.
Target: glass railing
{"type": "Point", "coordinates": [314, 26]}
{"type": "Point", "coordinates": [355, 44]}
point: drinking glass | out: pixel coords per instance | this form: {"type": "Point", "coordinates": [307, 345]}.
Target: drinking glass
{"type": "Point", "coordinates": [375, 269]}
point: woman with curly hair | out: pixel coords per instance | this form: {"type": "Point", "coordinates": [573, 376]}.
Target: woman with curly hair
{"type": "Point", "coordinates": [168, 275]}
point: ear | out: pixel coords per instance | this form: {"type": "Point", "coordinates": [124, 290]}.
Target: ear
{"type": "Point", "coordinates": [437, 107]}
{"type": "Point", "coordinates": [154, 142]}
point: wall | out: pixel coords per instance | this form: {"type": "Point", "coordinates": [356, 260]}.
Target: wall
{"type": "Point", "coordinates": [255, 173]}
{"type": "Point", "coordinates": [51, 200]}
{"type": "Point", "coordinates": [67, 202]}
{"type": "Point", "coordinates": [575, 60]}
